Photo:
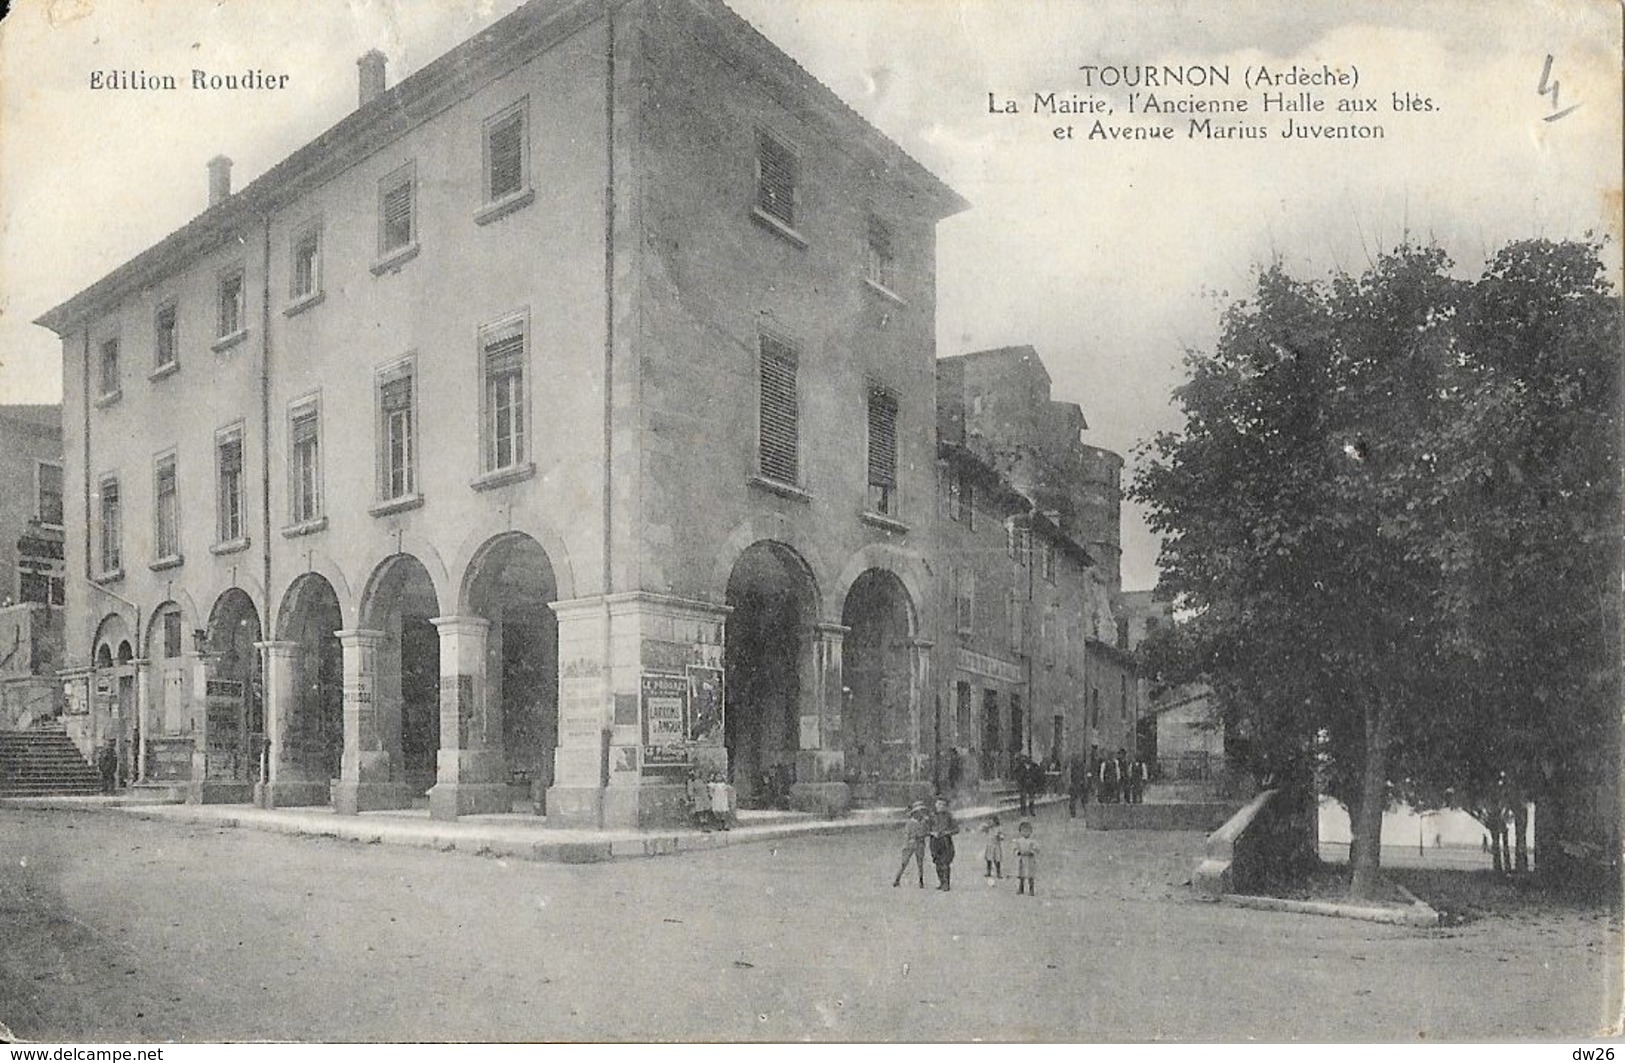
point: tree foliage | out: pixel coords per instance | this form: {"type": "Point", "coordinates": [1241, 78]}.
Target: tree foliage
{"type": "Point", "coordinates": [1393, 511]}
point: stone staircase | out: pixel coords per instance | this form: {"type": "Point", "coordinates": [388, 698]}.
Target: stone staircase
{"type": "Point", "coordinates": [43, 763]}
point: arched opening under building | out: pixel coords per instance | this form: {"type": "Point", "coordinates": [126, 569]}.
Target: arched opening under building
{"type": "Point", "coordinates": [400, 601]}
{"type": "Point", "coordinates": [113, 705]}
{"type": "Point", "coordinates": [876, 718]}
{"type": "Point", "coordinates": [234, 700]}
{"type": "Point", "coordinates": [311, 618]}
{"type": "Point", "coordinates": [773, 604]}
{"type": "Point", "coordinates": [511, 584]}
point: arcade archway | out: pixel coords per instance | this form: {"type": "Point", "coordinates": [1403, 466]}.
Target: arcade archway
{"type": "Point", "coordinates": [400, 601]}
{"type": "Point", "coordinates": [878, 719]}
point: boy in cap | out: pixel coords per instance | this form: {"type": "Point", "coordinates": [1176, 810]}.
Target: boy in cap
{"type": "Point", "coordinates": [914, 834]}
{"type": "Point", "coordinates": [941, 828]}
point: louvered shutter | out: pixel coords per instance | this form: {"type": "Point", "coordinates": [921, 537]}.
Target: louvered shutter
{"type": "Point", "coordinates": [778, 441]}
{"type": "Point", "coordinates": [882, 438]}
{"type": "Point", "coordinates": [775, 180]}
{"type": "Point", "coordinates": [396, 394]}
{"type": "Point", "coordinates": [506, 153]}
{"type": "Point", "coordinates": [397, 216]}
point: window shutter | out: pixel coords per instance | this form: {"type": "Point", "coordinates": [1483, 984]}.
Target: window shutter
{"type": "Point", "coordinates": [779, 441]}
{"type": "Point", "coordinates": [398, 216]}
{"type": "Point", "coordinates": [304, 427]}
{"type": "Point", "coordinates": [882, 438]}
{"type": "Point", "coordinates": [775, 179]}
{"type": "Point", "coordinates": [505, 350]}
{"type": "Point", "coordinates": [506, 147]}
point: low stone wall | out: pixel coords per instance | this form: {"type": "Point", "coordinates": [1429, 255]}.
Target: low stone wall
{"type": "Point", "coordinates": [1268, 839]}
{"type": "Point", "coordinates": [1204, 816]}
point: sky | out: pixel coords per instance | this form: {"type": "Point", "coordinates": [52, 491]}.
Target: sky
{"type": "Point", "coordinates": [1112, 257]}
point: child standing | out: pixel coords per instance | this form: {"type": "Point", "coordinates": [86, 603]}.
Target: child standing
{"type": "Point", "coordinates": [913, 843]}
{"type": "Point", "coordinates": [1026, 860]}
{"type": "Point", "coordinates": [993, 852]}
{"type": "Point", "coordinates": [721, 801]}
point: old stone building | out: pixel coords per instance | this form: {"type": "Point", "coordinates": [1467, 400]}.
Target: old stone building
{"type": "Point", "coordinates": [33, 575]}
{"type": "Point", "coordinates": [557, 423]}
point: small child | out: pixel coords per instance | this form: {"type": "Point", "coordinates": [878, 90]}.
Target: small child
{"type": "Point", "coordinates": [721, 801]}
{"type": "Point", "coordinates": [993, 852]}
{"type": "Point", "coordinates": [913, 844]}
{"type": "Point", "coordinates": [1026, 860]}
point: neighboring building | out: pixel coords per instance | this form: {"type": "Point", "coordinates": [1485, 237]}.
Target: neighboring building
{"type": "Point", "coordinates": [557, 423]}
{"type": "Point", "coordinates": [1003, 409]}
{"type": "Point", "coordinates": [1032, 663]}
{"type": "Point", "coordinates": [32, 568]}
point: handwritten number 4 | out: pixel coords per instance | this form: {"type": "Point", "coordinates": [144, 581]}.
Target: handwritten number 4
{"type": "Point", "coordinates": [1548, 87]}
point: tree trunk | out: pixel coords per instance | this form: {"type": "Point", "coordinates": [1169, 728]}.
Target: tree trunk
{"type": "Point", "coordinates": [1365, 853]}
{"type": "Point", "coordinates": [1520, 827]}
{"type": "Point", "coordinates": [1506, 848]}
{"type": "Point", "coordinates": [1496, 830]}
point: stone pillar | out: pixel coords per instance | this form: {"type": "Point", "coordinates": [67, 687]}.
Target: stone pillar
{"type": "Point", "coordinates": [286, 784]}
{"type": "Point", "coordinates": [580, 766]}
{"type": "Point", "coordinates": [214, 778]}
{"type": "Point", "coordinates": [922, 709]}
{"type": "Point", "coordinates": [472, 775]}
{"type": "Point", "coordinates": [820, 784]}
{"type": "Point", "coordinates": [143, 714]}
{"type": "Point", "coordinates": [365, 780]}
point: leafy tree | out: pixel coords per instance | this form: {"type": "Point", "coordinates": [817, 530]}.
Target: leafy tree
{"type": "Point", "coordinates": [1376, 481]}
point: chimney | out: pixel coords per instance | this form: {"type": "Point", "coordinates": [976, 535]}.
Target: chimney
{"type": "Point", "coordinates": [372, 75]}
{"type": "Point", "coordinates": [219, 179]}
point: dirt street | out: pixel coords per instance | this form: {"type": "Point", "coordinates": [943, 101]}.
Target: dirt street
{"type": "Point", "coordinates": [116, 928]}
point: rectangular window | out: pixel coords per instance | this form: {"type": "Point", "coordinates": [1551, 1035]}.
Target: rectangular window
{"type": "Point", "coordinates": [778, 438]}
{"type": "Point", "coordinates": [880, 264]}
{"type": "Point", "coordinates": [1018, 624]}
{"type": "Point", "coordinates": [1015, 734]}
{"type": "Point", "coordinates": [305, 279]}
{"type": "Point", "coordinates": [305, 466]}
{"type": "Point", "coordinates": [397, 210]}
{"type": "Point", "coordinates": [228, 452]}
{"type": "Point", "coordinates": [1122, 697]}
{"type": "Point", "coordinates": [166, 508]}
{"type": "Point", "coordinates": [166, 350]}
{"type": "Point", "coordinates": [776, 168]}
{"type": "Point", "coordinates": [1094, 707]}
{"type": "Point", "coordinates": [172, 634]}
{"type": "Point", "coordinates": [883, 452]}
{"type": "Point", "coordinates": [112, 527]}
{"type": "Point", "coordinates": [1047, 635]}
{"type": "Point", "coordinates": [962, 711]}
{"type": "Point", "coordinates": [109, 367]}
{"type": "Point", "coordinates": [502, 357]}
{"type": "Point", "coordinates": [505, 151]}
{"type": "Point", "coordinates": [48, 487]}
{"type": "Point", "coordinates": [965, 602]}
{"type": "Point", "coordinates": [1122, 634]}
{"type": "Point", "coordinates": [396, 434]}
{"type": "Point", "coordinates": [232, 320]}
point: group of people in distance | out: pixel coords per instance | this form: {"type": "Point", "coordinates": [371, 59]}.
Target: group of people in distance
{"type": "Point", "coordinates": [1110, 780]}
{"type": "Point", "coordinates": [935, 829]}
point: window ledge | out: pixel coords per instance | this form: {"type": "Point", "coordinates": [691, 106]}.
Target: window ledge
{"type": "Point", "coordinates": [172, 561]}
{"type": "Point", "coordinates": [229, 546]}
{"type": "Point", "coordinates": [396, 505]}
{"type": "Point", "coordinates": [502, 477]}
{"type": "Point", "coordinates": [226, 343]}
{"type": "Point", "coordinates": [504, 206]}
{"type": "Point", "coordinates": [303, 303]}
{"type": "Point", "coordinates": [884, 292]}
{"type": "Point", "coordinates": [779, 487]}
{"type": "Point", "coordinates": [306, 527]}
{"type": "Point", "coordinates": [394, 260]}
{"type": "Point", "coordinates": [777, 227]}
{"type": "Point", "coordinates": [167, 369]}
{"type": "Point", "coordinates": [112, 575]}
{"type": "Point", "coordinates": [880, 520]}
{"type": "Point", "coordinates": [107, 398]}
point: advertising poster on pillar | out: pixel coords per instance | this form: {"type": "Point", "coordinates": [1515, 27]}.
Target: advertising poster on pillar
{"type": "Point", "coordinates": [665, 715]}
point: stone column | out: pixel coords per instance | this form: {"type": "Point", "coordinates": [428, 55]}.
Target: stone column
{"type": "Point", "coordinates": [472, 776]}
{"type": "Point", "coordinates": [365, 781]}
{"type": "Point", "coordinates": [820, 784]}
{"type": "Point", "coordinates": [143, 714]}
{"type": "Point", "coordinates": [213, 781]}
{"type": "Point", "coordinates": [287, 784]}
{"type": "Point", "coordinates": [921, 714]}
{"type": "Point", "coordinates": [580, 760]}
